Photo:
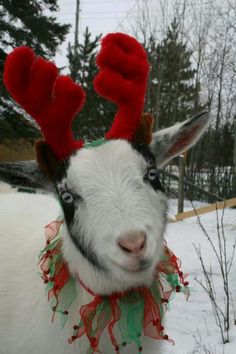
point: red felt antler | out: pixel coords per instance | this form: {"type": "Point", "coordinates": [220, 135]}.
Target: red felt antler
{"type": "Point", "coordinates": [123, 79]}
{"type": "Point", "coordinates": [52, 100]}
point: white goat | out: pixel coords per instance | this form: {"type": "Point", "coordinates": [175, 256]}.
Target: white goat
{"type": "Point", "coordinates": [115, 216]}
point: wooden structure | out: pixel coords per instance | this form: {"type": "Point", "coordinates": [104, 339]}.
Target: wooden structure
{"type": "Point", "coordinates": [16, 150]}
{"type": "Point", "coordinates": [17, 137]}
{"type": "Point", "coordinates": [203, 210]}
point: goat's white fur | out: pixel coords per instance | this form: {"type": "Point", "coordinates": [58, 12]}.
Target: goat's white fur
{"type": "Point", "coordinates": [109, 178]}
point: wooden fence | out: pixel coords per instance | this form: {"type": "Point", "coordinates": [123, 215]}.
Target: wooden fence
{"type": "Point", "coordinates": [16, 150]}
{"type": "Point", "coordinates": [206, 209]}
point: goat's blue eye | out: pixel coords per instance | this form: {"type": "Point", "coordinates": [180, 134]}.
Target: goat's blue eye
{"type": "Point", "coordinates": [152, 177]}
{"type": "Point", "coordinates": [152, 174]}
{"type": "Point", "coordinates": [67, 197]}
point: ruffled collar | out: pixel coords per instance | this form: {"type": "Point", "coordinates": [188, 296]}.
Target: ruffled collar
{"type": "Point", "coordinates": [131, 315]}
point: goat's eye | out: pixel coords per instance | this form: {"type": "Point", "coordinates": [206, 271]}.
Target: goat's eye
{"type": "Point", "coordinates": [152, 174]}
{"type": "Point", "coordinates": [67, 197]}
{"type": "Point", "coordinates": [153, 178]}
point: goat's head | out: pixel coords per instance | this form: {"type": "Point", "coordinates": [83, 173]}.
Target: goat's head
{"type": "Point", "coordinates": [113, 203]}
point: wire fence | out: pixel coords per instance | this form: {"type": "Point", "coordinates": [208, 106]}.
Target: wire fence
{"type": "Point", "coordinates": [192, 192]}
{"type": "Point", "coordinates": [194, 198]}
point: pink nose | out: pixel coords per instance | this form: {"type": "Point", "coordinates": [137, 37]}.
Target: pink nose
{"type": "Point", "coordinates": [133, 242]}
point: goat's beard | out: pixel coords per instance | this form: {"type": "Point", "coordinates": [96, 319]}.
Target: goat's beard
{"type": "Point", "coordinates": [136, 312]}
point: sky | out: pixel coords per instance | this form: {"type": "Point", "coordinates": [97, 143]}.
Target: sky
{"type": "Point", "coordinates": [102, 16]}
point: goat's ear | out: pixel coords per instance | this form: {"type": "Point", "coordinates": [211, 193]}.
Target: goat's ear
{"type": "Point", "coordinates": [47, 161]}
{"type": "Point", "coordinates": [171, 142]}
{"type": "Point", "coordinates": [37, 174]}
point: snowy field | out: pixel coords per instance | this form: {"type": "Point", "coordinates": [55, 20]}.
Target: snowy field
{"type": "Point", "coordinates": [189, 323]}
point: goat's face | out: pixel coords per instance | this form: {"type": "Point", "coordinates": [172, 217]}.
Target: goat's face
{"type": "Point", "coordinates": [114, 210]}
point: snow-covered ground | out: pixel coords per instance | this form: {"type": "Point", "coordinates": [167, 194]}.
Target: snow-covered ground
{"type": "Point", "coordinates": [189, 323]}
{"type": "Point", "coordinates": [5, 188]}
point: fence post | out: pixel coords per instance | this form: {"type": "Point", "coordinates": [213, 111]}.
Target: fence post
{"type": "Point", "coordinates": [181, 184]}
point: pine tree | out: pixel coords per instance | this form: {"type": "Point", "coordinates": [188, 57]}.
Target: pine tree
{"type": "Point", "coordinates": [32, 23]}
{"type": "Point", "coordinates": [97, 114]}
{"type": "Point", "coordinates": [172, 92]}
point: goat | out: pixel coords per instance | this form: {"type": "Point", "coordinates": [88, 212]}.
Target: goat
{"type": "Point", "coordinates": [113, 205]}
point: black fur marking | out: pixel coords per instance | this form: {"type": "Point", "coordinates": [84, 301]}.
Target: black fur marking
{"type": "Point", "coordinates": [61, 171]}
{"type": "Point", "coordinates": [69, 211]}
{"type": "Point", "coordinates": [155, 183]}
{"type": "Point", "coordinates": [145, 151]}
{"type": "Point", "coordinates": [78, 240]}
{"type": "Point", "coordinates": [86, 250]}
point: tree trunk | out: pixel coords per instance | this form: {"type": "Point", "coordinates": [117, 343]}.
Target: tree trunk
{"type": "Point", "coordinates": [181, 184]}
{"type": "Point", "coordinates": [234, 163]}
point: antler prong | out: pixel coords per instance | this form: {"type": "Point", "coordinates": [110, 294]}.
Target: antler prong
{"type": "Point", "coordinates": [50, 99]}
{"type": "Point", "coordinates": [122, 79]}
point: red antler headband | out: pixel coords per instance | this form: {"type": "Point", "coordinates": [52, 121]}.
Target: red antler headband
{"type": "Point", "coordinates": [122, 79]}
{"type": "Point", "coordinates": [53, 100]}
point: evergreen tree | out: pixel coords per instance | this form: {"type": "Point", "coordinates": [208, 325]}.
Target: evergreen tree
{"type": "Point", "coordinates": [97, 114]}
{"type": "Point", "coordinates": [32, 23]}
{"type": "Point", "coordinates": [172, 92]}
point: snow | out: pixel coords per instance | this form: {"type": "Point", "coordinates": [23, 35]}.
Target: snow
{"type": "Point", "coordinates": [6, 188]}
{"type": "Point", "coordinates": [191, 323]}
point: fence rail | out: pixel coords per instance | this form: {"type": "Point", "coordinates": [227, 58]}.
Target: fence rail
{"type": "Point", "coordinates": [207, 209]}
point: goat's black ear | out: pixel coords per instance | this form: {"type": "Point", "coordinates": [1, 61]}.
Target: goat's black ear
{"type": "Point", "coordinates": [46, 159]}
{"type": "Point", "coordinates": [171, 142]}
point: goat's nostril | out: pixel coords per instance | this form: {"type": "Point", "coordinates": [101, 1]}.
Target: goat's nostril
{"type": "Point", "coordinates": [125, 249]}
{"type": "Point", "coordinates": [133, 242]}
